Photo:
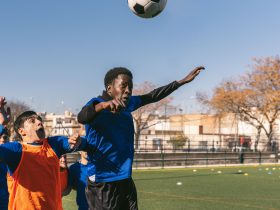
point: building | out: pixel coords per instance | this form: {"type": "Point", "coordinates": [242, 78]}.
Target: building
{"type": "Point", "coordinates": [63, 124]}
{"type": "Point", "coordinates": [202, 132]}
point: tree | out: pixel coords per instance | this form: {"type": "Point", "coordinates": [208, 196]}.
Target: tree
{"type": "Point", "coordinates": [179, 141]}
{"type": "Point", "coordinates": [254, 97]}
{"type": "Point", "coordinates": [17, 107]}
{"type": "Point", "coordinates": [144, 115]}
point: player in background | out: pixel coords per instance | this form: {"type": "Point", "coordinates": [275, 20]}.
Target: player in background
{"type": "Point", "coordinates": [110, 137]}
{"type": "Point", "coordinates": [4, 195]}
{"type": "Point", "coordinates": [64, 172]}
{"type": "Point", "coordinates": [77, 180]}
{"type": "Point", "coordinates": [33, 162]}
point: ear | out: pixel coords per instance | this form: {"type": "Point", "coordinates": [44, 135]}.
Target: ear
{"type": "Point", "coordinates": [22, 132]}
{"type": "Point", "coordinates": [109, 88]}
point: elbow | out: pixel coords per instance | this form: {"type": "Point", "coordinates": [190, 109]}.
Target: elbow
{"type": "Point", "coordinates": [81, 119]}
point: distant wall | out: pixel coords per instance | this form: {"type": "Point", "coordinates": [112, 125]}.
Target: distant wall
{"type": "Point", "coordinates": [181, 159]}
{"type": "Point", "coordinates": [189, 159]}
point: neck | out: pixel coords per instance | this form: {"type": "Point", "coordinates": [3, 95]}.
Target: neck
{"type": "Point", "coordinates": [84, 161]}
{"type": "Point", "coordinates": [28, 140]}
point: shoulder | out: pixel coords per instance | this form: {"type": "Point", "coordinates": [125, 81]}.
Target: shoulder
{"type": "Point", "coordinates": [94, 100]}
{"type": "Point", "coordinates": [13, 146]}
{"type": "Point", "coordinates": [52, 139]}
{"type": "Point", "coordinates": [134, 103]}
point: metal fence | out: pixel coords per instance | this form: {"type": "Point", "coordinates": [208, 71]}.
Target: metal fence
{"type": "Point", "coordinates": [159, 153]}
{"type": "Point", "coordinates": [205, 145]}
{"type": "Point", "coordinates": [164, 156]}
{"type": "Point", "coordinates": [186, 159]}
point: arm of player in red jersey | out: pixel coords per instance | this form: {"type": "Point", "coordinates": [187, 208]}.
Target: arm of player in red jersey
{"type": "Point", "coordinates": [62, 144]}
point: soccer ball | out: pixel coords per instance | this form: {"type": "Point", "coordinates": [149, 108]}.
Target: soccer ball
{"type": "Point", "coordinates": [146, 8]}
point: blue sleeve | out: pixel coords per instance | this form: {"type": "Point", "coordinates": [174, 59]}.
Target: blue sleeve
{"type": "Point", "coordinates": [134, 103]}
{"type": "Point", "coordinates": [84, 144]}
{"type": "Point", "coordinates": [10, 154]}
{"type": "Point", "coordinates": [2, 128]}
{"type": "Point", "coordinates": [90, 102]}
{"type": "Point", "coordinates": [59, 144]}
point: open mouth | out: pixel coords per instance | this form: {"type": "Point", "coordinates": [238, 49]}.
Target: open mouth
{"type": "Point", "coordinates": [125, 99]}
{"type": "Point", "coordinates": [41, 129]}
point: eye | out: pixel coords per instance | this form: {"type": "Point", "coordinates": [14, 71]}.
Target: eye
{"type": "Point", "coordinates": [123, 86]}
{"type": "Point", "coordinates": [31, 120]}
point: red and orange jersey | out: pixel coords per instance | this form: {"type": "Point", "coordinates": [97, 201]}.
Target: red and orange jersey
{"type": "Point", "coordinates": [36, 181]}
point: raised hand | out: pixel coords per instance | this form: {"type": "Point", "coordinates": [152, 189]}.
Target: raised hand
{"type": "Point", "coordinates": [74, 141]}
{"type": "Point", "coordinates": [190, 77]}
{"type": "Point", "coordinates": [5, 114]}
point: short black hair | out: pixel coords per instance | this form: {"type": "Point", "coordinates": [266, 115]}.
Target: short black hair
{"type": "Point", "coordinates": [21, 119]}
{"type": "Point", "coordinates": [114, 73]}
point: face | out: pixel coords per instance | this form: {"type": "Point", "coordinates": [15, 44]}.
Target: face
{"type": "Point", "coordinates": [33, 129]}
{"type": "Point", "coordinates": [63, 161]}
{"type": "Point", "coordinates": [4, 138]}
{"type": "Point", "coordinates": [121, 88]}
{"type": "Point", "coordinates": [83, 155]}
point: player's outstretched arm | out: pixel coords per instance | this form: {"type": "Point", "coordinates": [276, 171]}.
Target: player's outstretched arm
{"type": "Point", "coordinates": [162, 92]}
{"type": "Point", "coordinates": [190, 77]}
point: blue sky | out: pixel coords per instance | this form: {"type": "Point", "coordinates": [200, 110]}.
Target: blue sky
{"type": "Point", "coordinates": [54, 54]}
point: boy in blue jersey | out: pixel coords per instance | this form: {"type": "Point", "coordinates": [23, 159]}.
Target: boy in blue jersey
{"type": "Point", "coordinates": [110, 137]}
{"type": "Point", "coordinates": [77, 180]}
{"type": "Point", "coordinates": [33, 162]}
{"type": "Point", "coordinates": [4, 195]}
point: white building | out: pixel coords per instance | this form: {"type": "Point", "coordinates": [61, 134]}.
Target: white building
{"type": "Point", "coordinates": [203, 132]}
{"type": "Point", "coordinates": [63, 124]}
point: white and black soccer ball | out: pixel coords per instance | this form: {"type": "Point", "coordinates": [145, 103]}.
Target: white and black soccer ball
{"type": "Point", "coordinates": [146, 8]}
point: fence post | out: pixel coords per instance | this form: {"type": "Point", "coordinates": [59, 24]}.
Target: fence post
{"type": "Point", "coordinates": [241, 157]}
{"type": "Point", "coordinates": [136, 161]}
{"type": "Point", "coordinates": [186, 161]}
{"type": "Point", "coordinates": [260, 157]}
{"type": "Point", "coordinates": [225, 157]}
{"type": "Point", "coordinates": [276, 157]}
{"type": "Point", "coordinates": [207, 158]}
{"type": "Point", "coordinates": [162, 157]}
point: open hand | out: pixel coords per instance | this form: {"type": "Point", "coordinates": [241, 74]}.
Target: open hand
{"type": "Point", "coordinates": [74, 141]}
{"type": "Point", "coordinates": [5, 114]}
{"type": "Point", "coordinates": [190, 77]}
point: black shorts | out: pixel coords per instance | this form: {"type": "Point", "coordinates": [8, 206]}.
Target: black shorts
{"type": "Point", "coordinates": [119, 195]}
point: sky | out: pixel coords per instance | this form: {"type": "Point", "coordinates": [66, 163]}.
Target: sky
{"type": "Point", "coordinates": [54, 54]}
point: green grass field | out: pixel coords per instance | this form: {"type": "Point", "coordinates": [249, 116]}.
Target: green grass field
{"type": "Point", "coordinates": [205, 188]}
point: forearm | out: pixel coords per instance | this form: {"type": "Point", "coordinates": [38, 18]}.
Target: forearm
{"type": "Point", "coordinates": [159, 93]}
{"type": "Point", "coordinates": [88, 113]}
